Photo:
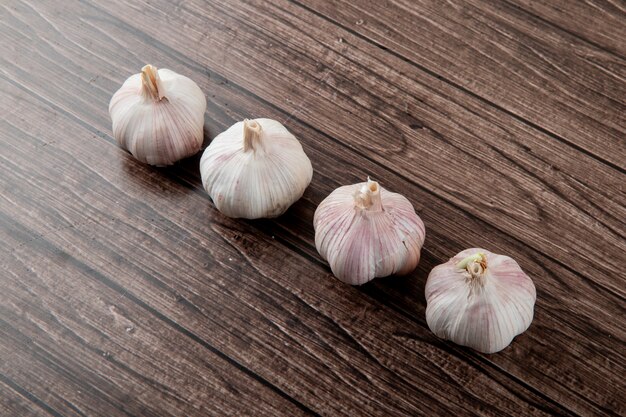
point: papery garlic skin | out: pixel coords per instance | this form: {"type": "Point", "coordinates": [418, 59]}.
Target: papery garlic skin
{"type": "Point", "coordinates": [366, 232]}
{"type": "Point", "coordinates": [255, 169]}
{"type": "Point", "coordinates": [479, 299]}
{"type": "Point", "coordinates": [158, 116]}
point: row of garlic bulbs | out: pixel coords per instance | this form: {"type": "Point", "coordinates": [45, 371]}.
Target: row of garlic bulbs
{"type": "Point", "coordinates": [258, 169]}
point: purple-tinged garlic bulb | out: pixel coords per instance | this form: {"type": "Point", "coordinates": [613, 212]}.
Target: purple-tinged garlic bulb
{"type": "Point", "coordinates": [479, 299]}
{"type": "Point", "coordinates": [366, 232]}
{"type": "Point", "coordinates": [158, 116]}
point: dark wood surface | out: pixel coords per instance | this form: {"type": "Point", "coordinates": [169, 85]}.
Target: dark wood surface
{"type": "Point", "coordinates": [125, 293]}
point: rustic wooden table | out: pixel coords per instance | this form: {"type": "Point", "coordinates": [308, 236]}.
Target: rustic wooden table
{"type": "Point", "coordinates": [123, 292]}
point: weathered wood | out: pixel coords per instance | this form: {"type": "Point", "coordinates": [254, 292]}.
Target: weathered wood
{"type": "Point", "coordinates": [415, 131]}
{"type": "Point", "coordinates": [86, 349]}
{"type": "Point", "coordinates": [542, 75]}
{"type": "Point", "coordinates": [598, 21]}
{"type": "Point", "coordinates": [287, 321]}
{"type": "Point", "coordinates": [543, 208]}
{"type": "Point", "coordinates": [236, 317]}
{"type": "Point", "coordinates": [403, 335]}
{"type": "Point", "coordinates": [16, 401]}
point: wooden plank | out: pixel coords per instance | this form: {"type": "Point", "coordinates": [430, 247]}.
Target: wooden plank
{"type": "Point", "coordinates": [548, 196]}
{"type": "Point", "coordinates": [101, 355]}
{"type": "Point", "coordinates": [563, 292]}
{"type": "Point", "coordinates": [82, 348]}
{"type": "Point", "coordinates": [557, 82]}
{"type": "Point", "coordinates": [229, 95]}
{"type": "Point", "coordinates": [600, 22]}
{"type": "Point", "coordinates": [312, 280]}
{"type": "Point", "coordinates": [15, 401]}
{"type": "Point", "coordinates": [287, 321]}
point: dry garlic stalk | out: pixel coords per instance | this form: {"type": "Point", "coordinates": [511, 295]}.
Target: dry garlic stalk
{"type": "Point", "coordinates": [479, 299]}
{"type": "Point", "coordinates": [255, 169]}
{"type": "Point", "coordinates": [365, 232]}
{"type": "Point", "coordinates": [158, 116]}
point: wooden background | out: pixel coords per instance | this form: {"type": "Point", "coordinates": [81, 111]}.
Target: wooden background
{"type": "Point", "coordinates": [123, 292]}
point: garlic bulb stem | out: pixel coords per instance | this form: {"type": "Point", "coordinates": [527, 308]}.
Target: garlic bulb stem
{"type": "Point", "coordinates": [150, 83]}
{"type": "Point", "coordinates": [368, 197]}
{"type": "Point", "coordinates": [467, 262]}
{"type": "Point", "coordinates": [251, 135]}
{"type": "Point", "coordinates": [475, 266]}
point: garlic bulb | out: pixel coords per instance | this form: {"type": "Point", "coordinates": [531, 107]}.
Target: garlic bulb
{"type": "Point", "coordinates": [158, 116]}
{"type": "Point", "coordinates": [479, 299]}
{"type": "Point", "coordinates": [255, 169]}
{"type": "Point", "coordinates": [365, 232]}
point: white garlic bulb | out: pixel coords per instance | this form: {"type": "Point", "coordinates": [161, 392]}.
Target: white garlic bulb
{"type": "Point", "coordinates": [158, 116]}
{"type": "Point", "coordinates": [255, 169]}
{"type": "Point", "coordinates": [365, 232]}
{"type": "Point", "coordinates": [479, 299]}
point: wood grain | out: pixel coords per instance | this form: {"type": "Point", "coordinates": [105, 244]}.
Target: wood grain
{"type": "Point", "coordinates": [103, 354]}
{"type": "Point", "coordinates": [16, 401]}
{"type": "Point", "coordinates": [557, 82]}
{"type": "Point", "coordinates": [243, 318]}
{"type": "Point", "coordinates": [549, 174]}
{"type": "Point", "coordinates": [332, 94]}
{"type": "Point", "coordinates": [248, 320]}
{"type": "Point", "coordinates": [599, 22]}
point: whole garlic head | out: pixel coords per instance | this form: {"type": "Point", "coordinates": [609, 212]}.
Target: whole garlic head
{"type": "Point", "coordinates": [158, 116]}
{"type": "Point", "coordinates": [255, 169]}
{"type": "Point", "coordinates": [479, 299]}
{"type": "Point", "coordinates": [365, 232]}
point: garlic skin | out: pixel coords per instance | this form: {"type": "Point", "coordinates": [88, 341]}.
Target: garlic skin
{"type": "Point", "coordinates": [255, 169]}
{"type": "Point", "coordinates": [479, 299]}
{"type": "Point", "coordinates": [158, 116]}
{"type": "Point", "coordinates": [367, 232]}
